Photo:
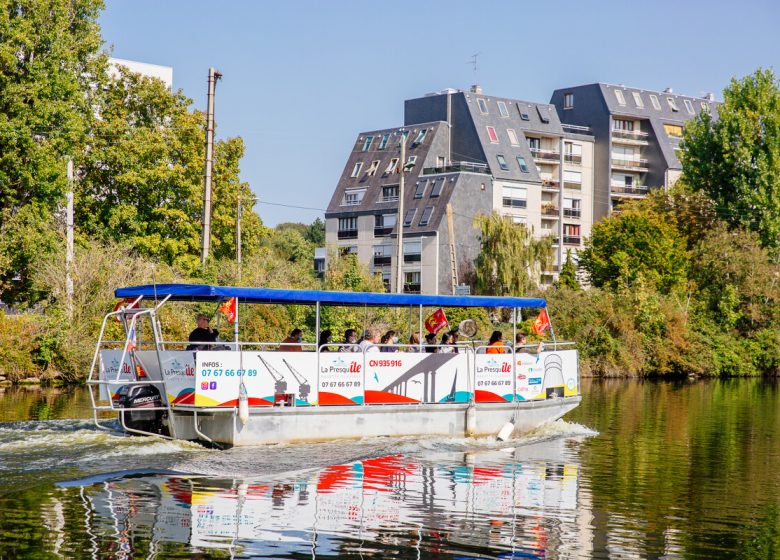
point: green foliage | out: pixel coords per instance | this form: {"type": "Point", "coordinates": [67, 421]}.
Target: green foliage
{"type": "Point", "coordinates": [568, 275]}
{"type": "Point", "coordinates": [736, 158]}
{"type": "Point", "coordinates": [510, 258]}
{"type": "Point", "coordinates": [315, 233]}
{"type": "Point", "coordinates": [639, 244]}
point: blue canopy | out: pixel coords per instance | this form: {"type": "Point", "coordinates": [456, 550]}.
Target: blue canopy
{"type": "Point", "coordinates": [204, 292]}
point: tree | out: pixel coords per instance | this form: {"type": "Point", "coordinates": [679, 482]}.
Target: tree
{"type": "Point", "coordinates": [638, 244]}
{"type": "Point", "coordinates": [510, 258]}
{"type": "Point", "coordinates": [736, 158]}
{"type": "Point", "coordinates": [568, 275]}
{"type": "Point", "coordinates": [49, 58]}
{"type": "Point", "coordinates": [315, 233]}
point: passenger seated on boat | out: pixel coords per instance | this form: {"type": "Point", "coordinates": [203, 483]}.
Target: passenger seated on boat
{"type": "Point", "coordinates": [326, 337]}
{"type": "Point", "coordinates": [444, 345]}
{"type": "Point", "coordinates": [370, 341]}
{"type": "Point", "coordinates": [350, 341]}
{"type": "Point", "coordinates": [430, 343]}
{"type": "Point", "coordinates": [293, 342]}
{"type": "Point", "coordinates": [202, 333]}
{"type": "Point", "coordinates": [388, 342]}
{"type": "Point", "coordinates": [496, 344]}
{"type": "Point", "coordinates": [414, 343]}
{"type": "Point", "coordinates": [520, 345]}
{"type": "Point", "coordinates": [454, 336]}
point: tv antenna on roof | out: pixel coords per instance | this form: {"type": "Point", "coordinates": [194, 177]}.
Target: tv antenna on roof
{"type": "Point", "coordinates": [473, 61]}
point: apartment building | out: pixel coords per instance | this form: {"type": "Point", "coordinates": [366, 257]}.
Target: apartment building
{"type": "Point", "coordinates": [637, 135]}
{"type": "Point", "coordinates": [478, 153]}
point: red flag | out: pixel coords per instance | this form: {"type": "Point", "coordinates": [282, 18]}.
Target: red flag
{"type": "Point", "coordinates": [541, 323]}
{"type": "Point", "coordinates": [229, 309]}
{"type": "Point", "coordinates": [436, 322]}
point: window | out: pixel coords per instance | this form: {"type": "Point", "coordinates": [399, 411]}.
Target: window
{"type": "Point", "coordinates": [620, 98]}
{"type": "Point", "coordinates": [367, 143]}
{"type": "Point", "coordinates": [482, 106]}
{"type": "Point", "coordinates": [413, 250]}
{"type": "Point", "coordinates": [410, 163]}
{"type": "Point", "coordinates": [438, 185]}
{"type": "Point", "coordinates": [574, 177]}
{"type": "Point", "coordinates": [620, 124]}
{"type": "Point", "coordinates": [571, 234]}
{"type": "Point", "coordinates": [655, 102]}
{"type": "Point", "coordinates": [523, 165]}
{"type": "Point", "coordinates": [356, 169]}
{"type": "Point", "coordinates": [440, 161]}
{"type": "Point", "coordinates": [403, 136]}
{"type": "Point", "coordinates": [572, 153]}
{"type": "Point", "coordinates": [674, 130]}
{"type": "Point", "coordinates": [384, 224]}
{"type": "Point", "coordinates": [535, 144]}
{"type": "Point", "coordinates": [628, 180]}
{"type": "Point", "coordinates": [502, 109]}
{"type": "Point", "coordinates": [426, 215]}
{"type": "Point", "coordinates": [523, 113]}
{"type": "Point", "coordinates": [512, 137]}
{"type": "Point", "coordinates": [420, 137]}
{"type": "Point", "coordinates": [544, 117]}
{"type": "Point", "coordinates": [502, 163]}
{"type": "Point", "coordinates": [353, 198]}
{"type": "Point", "coordinates": [568, 100]}
{"type": "Point", "coordinates": [572, 208]}
{"type": "Point", "coordinates": [392, 167]}
{"type": "Point", "coordinates": [705, 108]}
{"type": "Point", "coordinates": [412, 282]}
{"type": "Point", "coordinates": [372, 168]}
{"type": "Point", "coordinates": [409, 216]}
{"type": "Point", "coordinates": [514, 197]}
{"type": "Point", "coordinates": [420, 189]}
{"type": "Point", "coordinates": [383, 255]}
{"type": "Point", "coordinates": [519, 220]}
{"type": "Point", "coordinates": [389, 193]}
{"type": "Point", "coordinates": [347, 228]}
{"type": "Point", "coordinates": [383, 141]}
{"type": "Point", "coordinates": [638, 100]}
{"type": "Point", "coordinates": [672, 104]}
{"type": "Point", "coordinates": [689, 106]}
{"type": "Point", "coordinates": [492, 135]}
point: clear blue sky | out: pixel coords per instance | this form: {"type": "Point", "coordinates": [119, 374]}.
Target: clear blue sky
{"type": "Point", "coordinates": [302, 78]}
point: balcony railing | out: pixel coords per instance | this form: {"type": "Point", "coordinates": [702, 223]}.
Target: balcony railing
{"type": "Point", "coordinates": [550, 211]}
{"type": "Point", "coordinates": [514, 202]}
{"type": "Point", "coordinates": [550, 185]}
{"type": "Point", "coordinates": [458, 167]}
{"type": "Point", "coordinates": [393, 198]}
{"type": "Point", "coordinates": [348, 234]}
{"type": "Point", "coordinates": [571, 239]}
{"type": "Point", "coordinates": [411, 288]}
{"type": "Point", "coordinates": [637, 190]}
{"type": "Point", "coordinates": [572, 213]}
{"type": "Point", "coordinates": [547, 155]}
{"type": "Point", "coordinates": [382, 231]}
{"type": "Point", "coordinates": [631, 135]}
{"type": "Point", "coordinates": [572, 158]}
{"type": "Point", "coordinates": [635, 163]}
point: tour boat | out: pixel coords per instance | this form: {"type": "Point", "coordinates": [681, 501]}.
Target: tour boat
{"type": "Point", "coordinates": [238, 393]}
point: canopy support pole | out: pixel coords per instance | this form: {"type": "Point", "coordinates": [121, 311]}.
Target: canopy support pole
{"type": "Point", "coordinates": [421, 329]}
{"type": "Point", "coordinates": [317, 325]}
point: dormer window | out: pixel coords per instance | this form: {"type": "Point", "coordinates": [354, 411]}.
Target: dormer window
{"type": "Point", "coordinates": [689, 106]}
{"type": "Point", "coordinates": [502, 109]}
{"type": "Point", "coordinates": [426, 215]}
{"type": "Point", "coordinates": [356, 169]}
{"type": "Point", "coordinates": [513, 139]}
{"type": "Point", "coordinates": [367, 143]}
{"type": "Point", "coordinates": [523, 113]}
{"type": "Point", "coordinates": [420, 137]}
{"type": "Point", "coordinates": [371, 171]}
{"type": "Point", "coordinates": [353, 198]}
{"type": "Point", "coordinates": [620, 97]}
{"type": "Point", "coordinates": [492, 135]}
{"type": "Point", "coordinates": [410, 163]}
{"type": "Point", "coordinates": [482, 106]}
{"type": "Point", "coordinates": [502, 162]}
{"type": "Point", "coordinates": [568, 101]}
{"type": "Point", "coordinates": [542, 116]}
{"type": "Point", "coordinates": [638, 100]}
{"type": "Point", "coordinates": [383, 141]}
{"type": "Point", "coordinates": [655, 102]}
{"type": "Point", "coordinates": [392, 167]}
{"type": "Point", "coordinates": [438, 185]}
{"type": "Point", "coordinates": [672, 104]}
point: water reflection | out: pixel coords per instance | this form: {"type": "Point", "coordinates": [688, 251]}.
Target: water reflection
{"type": "Point", "coordinates": [485, 502]}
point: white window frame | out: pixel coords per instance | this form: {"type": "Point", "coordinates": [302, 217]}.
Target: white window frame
{"type": "Point", "coordinates": [689, 106]}
{"type": "Point", "coordinates": [420, 137]}
{"type": "Point", "coordinates": [513, 138]}
{"type": "Point", "coordinates": [356, 169]}
{"type": "Point", "coordinates": [672, 104]}
{"type": "Point", "coordinates": [392, 167]}
{"type": "Point", "coordinates": [391, 198]}
{"type": "Point", "coordinates": [482, 104]}
{"type": "Point", "coordinates": [568, 100]}
{"type": "Point", "coordinates": [410, 162]}
{"type": "Point", "coordinates": [502, 109]}
{"type": "Point", "coordinates": [621, 99]}
{"type": "Point", "coordinates": [572, 177]}
{"type": "Point", "coordinates": [383, 141]}
{"type": "Point", "coordinates": [371, 171]}
{"type": "Point", "coordinates": [502, 163]}
{"type": "Point", "coordinates": [656, 103]}
{"type": "Point", "coordinates": [521, 163]}
{"type": "Point", "coordinates": [638, 101]}
{"type": "Point", "coordinates": [353, 197]}
{"type": "Point", "coordinates": [367, 143]}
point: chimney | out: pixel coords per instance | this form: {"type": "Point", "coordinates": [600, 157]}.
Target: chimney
{"type": "Point", "coordinates": [668, 90]}
{"type": "Point", "coordinates": [710, 97]}
{"type": "Point", "coordinates": [476, 88]}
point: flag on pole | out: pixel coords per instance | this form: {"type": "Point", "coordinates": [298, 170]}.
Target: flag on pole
{"type": "Point", "coordinates": [229, 308]}
{"type": "Point", "coordinates": [436, 321]}
{"type": "Point", "coordinates": [131, 344]}
{"type": "Point", "coordinates": [541, 323]}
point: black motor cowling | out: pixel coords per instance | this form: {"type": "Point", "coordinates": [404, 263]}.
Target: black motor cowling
{"type": "Point", "coordinates": [139, 399]}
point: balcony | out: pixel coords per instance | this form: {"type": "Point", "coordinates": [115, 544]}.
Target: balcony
{"type": "Point", "coordinates": [571, 239]}
{"type": "Point", "coordinates": [631, 164]}
{"type": "Point", "coordinates": [546, 156]}
{"type": "Point", "coordinates": [550, 185]}
{"type": "Point", "coordinates": [390, 198]}
{"type": "Point", "coordinates": [381, 231]}
{"type": "Point", "coordinates": [347, 234]}
{"type": "Point", "coordinates": [548, 211]}
{"type": "Point", "coordinates": [619, 189]}
{"type": "Point", "coordinates": [633, 137]}
{"type": "Point", "coordinates": [458, 167]}
{"type": "Point", "coordinates": [575, 213]}
{"type": "Point", "coordinates": [573, 158]}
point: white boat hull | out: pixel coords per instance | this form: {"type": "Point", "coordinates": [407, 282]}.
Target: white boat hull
{"type": "Point", "coordinates": [269, 425]}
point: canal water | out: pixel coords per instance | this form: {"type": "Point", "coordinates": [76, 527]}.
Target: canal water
{"type": "Point", "coordinates": [639, 470]}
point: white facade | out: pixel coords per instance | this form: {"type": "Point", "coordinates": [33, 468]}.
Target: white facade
{"type": "Point", "coordinates": [163, 73]}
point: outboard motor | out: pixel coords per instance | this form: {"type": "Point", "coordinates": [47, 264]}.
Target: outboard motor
{"type": "Point", "coordinates": [138, 398]}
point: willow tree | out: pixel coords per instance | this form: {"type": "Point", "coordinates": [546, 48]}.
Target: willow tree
{"type": "Point", "coordinates": [510, 259]}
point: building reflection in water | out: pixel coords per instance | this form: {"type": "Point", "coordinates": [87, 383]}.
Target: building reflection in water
{"type": "Point", "coordinates": [517, 502]}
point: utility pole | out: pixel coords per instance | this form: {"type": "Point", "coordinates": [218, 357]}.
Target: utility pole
{"type": "Point", "coordinates": [399, 275]}
{"type": "Point", "coordinates": [69, 235]}
{"type": "Point", "coordinates": [214, 75]}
